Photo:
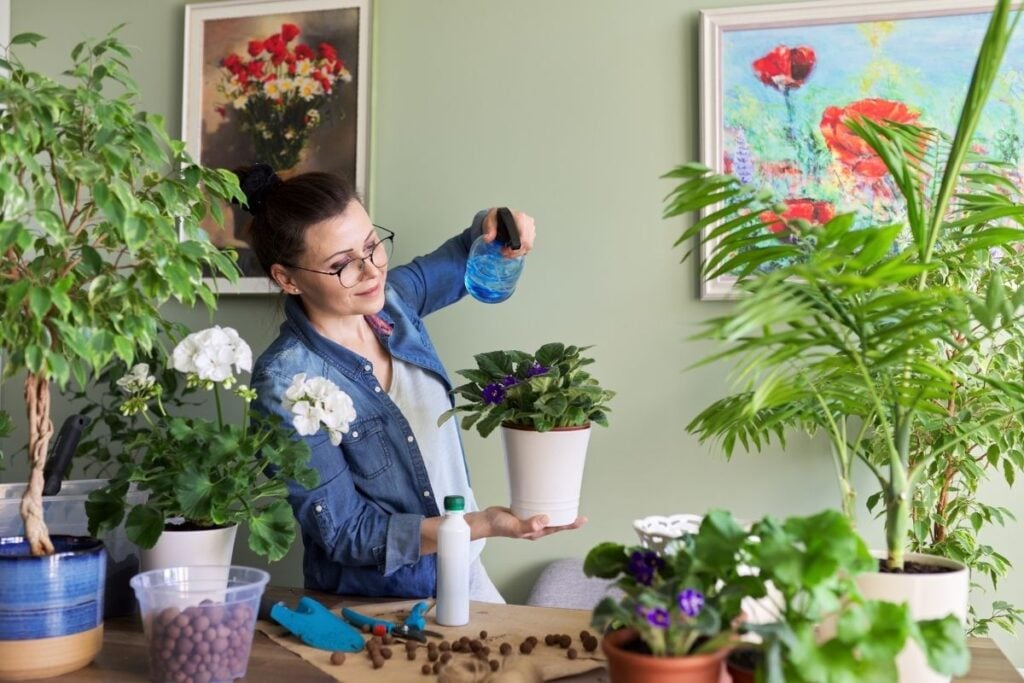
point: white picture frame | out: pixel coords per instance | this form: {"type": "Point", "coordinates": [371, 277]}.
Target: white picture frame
{"type": "Point", "coordinates": [219, 127]}
{"type": "Point", "coordinates": [778, 19]}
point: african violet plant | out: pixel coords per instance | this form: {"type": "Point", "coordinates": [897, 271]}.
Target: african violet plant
{"type": "Point", "coordinates": [542, 391]}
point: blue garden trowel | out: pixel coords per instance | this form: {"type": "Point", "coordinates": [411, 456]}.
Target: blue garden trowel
{"type": "Point", "coordinates": [317, 626]}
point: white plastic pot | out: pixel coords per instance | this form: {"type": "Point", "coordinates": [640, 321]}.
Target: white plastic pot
{"type": "Point", "coordinates": [545, 471]}
{"type": "Point", "coordinates": [930, 596]}
{"type": "Point", "coordinates": [202, 547]}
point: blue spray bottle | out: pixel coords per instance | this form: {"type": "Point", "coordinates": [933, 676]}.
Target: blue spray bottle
{"type": "Point", "coordinates": [490, 276]}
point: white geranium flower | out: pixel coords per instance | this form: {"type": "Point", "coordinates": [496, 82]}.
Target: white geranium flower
{"type": "Point", "coordinates": [136, 380]}
{"type": "Point", "coordinates": [317, 401]}
{"type": "Point", "coordinates": [211, 354]}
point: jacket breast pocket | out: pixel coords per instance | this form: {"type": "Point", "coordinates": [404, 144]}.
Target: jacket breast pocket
{"type": "Point", "coordinates": [366, 448]}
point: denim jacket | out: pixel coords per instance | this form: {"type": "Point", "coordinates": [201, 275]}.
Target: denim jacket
{"type": "Point", "coordinates": [361, 525]}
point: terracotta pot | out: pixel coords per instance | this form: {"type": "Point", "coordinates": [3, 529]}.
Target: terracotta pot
{"type": "Point", "coordinates": [738, 672]}
{"type": "Point", "coordinates": [633, 667]}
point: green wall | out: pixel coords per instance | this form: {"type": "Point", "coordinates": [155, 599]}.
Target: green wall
{"type": "Point", "coordinates": [571, 111]}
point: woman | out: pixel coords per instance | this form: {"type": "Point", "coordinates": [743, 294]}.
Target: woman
{"type": "Point", "coordinates": [370, 526]}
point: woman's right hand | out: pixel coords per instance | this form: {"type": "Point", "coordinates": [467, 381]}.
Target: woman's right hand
{"type": "Point", "coordinates": [499, 522]}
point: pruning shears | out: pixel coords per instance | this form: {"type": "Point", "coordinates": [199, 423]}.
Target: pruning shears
{"type": "Point", "coordinates": [411, 629]}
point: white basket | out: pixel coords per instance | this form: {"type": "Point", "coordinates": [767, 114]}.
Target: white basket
{"type": "Point", "coordinates": [656, 531]}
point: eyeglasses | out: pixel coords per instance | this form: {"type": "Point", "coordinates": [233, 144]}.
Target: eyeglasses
{"type": "Point", "coordinates": [351, 273]}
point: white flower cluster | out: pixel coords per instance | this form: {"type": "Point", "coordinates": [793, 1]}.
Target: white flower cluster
{"type": "Point", "coordinates": [137, 380]}
{"type": "Point", "coordinates": [210, 355]}
{"type": "Point", "coordinates": [319, 400]}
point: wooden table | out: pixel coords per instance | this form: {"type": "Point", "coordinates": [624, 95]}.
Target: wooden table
{"type": "Point", "coordinates": [124, 658]}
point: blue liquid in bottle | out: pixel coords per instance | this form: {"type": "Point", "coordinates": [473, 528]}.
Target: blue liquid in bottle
{"type": "Point", "coordinates": [490, 276]}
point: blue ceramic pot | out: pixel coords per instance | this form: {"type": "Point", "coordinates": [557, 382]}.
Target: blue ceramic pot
{"type": "Point", "coordinates": [53, 595]}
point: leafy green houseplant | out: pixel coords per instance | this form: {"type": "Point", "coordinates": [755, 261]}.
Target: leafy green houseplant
{"type": "Point", "coordinates": [544, 403]}
{"type": "Point", "coordinates": [689, 600]}
{"type": "Point", "coordinates": [863, 332]}
{"type": "Point", "coordinates": [99, 226]}
{"type": "Point", "coordinates": [213, 473]}
{"type": "Point", "coordinates": [811, 563]}
{"type": "Point", "coordinates": [545, 390]}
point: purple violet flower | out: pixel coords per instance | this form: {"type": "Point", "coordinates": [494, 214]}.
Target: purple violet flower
{"type": "Point", "coordinates": [658, 617]}
{"type": "Point", "coordinates": [536, 369]}
{"type": "Point", "coordinates": [509, 381]}
{"type": "Point", "coordinates": [643, 565]}
{"type": "Point", "coordinates": [691, 602]}
{"type": "Point", "coordinates": [493, 394]}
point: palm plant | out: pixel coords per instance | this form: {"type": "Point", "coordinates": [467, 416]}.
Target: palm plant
{"type": "Point", "coordinates": [865, 332]}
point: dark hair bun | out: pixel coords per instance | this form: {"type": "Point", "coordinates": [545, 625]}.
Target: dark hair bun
{"type": "Point", "coordinates": [256, 182]}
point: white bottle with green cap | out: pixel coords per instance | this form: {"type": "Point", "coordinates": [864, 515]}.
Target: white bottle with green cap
{"type": "Point", "coordinates": [453, 564]}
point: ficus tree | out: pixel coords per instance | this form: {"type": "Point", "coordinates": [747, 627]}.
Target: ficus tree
{"type": "Point", "coordinates": [99, 226]}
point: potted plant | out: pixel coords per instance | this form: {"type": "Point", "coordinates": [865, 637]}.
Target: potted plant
{"type": "Point", "coordinates": [857, 330]}
{"type": "Point", "coordinates": [683, 609]}
{"type": "Point", "coordinates": [544, 403]}
{"type": "Point", "coordinates": [680, 609]}
{"type": "Point", "coordinates": [99, 226]}
{"type": "Point", "coordinates": [825, 630]}
{"type": "Point", "coordinates": [206, 476]}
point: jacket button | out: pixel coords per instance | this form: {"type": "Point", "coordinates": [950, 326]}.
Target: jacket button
{"type": "Point", "coordinates": [409, 438]}
{"type": "Point", "coordinates": [377, 389]}
{"type": "Point", "coordinates": [426, 494]}
{"type": "Point", "coordinates": [319, 508]}
{"type": "Point", "coordinates": [367, 367]}
{"type": "Point", "coordinates": [355, 435]}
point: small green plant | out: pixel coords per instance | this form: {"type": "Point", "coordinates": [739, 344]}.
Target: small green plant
{"type": "Point", "coordinates": [810, 564]}
{"type": "Point", "coordinates": [211, 472]}
{"type": "Point", "coordinates": [99, 226]}
{"type": "Point", "coordinates": [543, 391]}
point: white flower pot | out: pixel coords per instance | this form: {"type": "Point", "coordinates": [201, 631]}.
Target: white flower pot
{"type": "Point", "coordinates": [202, 547]}
{"type": "Point", "coordinates": [545, 471]}
{"type": "Point", "coordinates": [930, 596]}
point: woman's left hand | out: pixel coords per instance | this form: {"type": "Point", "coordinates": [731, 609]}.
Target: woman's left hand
{"type": "Point", "coordinates": [502, 523]}
{"type": "Point", "coordinates": [525, 225]}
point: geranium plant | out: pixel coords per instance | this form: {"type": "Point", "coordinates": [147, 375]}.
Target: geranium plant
{"type": "Point", "coordinates": [280, 93]}
{"type": "Point", "coordinates": [542, 391]}
{"type": "Point", "coordinates": [213, 472]}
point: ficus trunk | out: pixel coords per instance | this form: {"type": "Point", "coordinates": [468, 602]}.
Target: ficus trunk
{"type": "Point", "coordinates": [40, 429]}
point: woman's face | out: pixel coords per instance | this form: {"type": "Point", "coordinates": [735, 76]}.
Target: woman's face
{"type": "Point", "coordinates": [345, 240]}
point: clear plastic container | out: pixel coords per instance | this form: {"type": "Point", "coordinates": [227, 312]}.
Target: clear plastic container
{"type": "Point", "coordinates": [199, 621]}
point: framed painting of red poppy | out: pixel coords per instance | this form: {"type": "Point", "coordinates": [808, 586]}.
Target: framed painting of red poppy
{"type": "Point", "coordinates": [778, 81]}
{"type": "Point", "coordinates": [281, 82]}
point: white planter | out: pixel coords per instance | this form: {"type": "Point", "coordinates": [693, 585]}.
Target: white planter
{"type": "Point", "coordinates": [545, 471]}
{"type": "Point", "coordinates": [930, 596]}
{"type": "Point", "coordinates": [203, 547]}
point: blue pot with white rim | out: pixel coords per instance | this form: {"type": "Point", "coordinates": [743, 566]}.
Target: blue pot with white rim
{"type": "Point", "coordinates": [51, 606]}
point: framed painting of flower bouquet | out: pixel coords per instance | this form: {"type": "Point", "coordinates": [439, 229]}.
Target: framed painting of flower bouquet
{"type": "Point", "coordinates": [778, 82]}
{"type": "Point", "coordinates": [281, 82]}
